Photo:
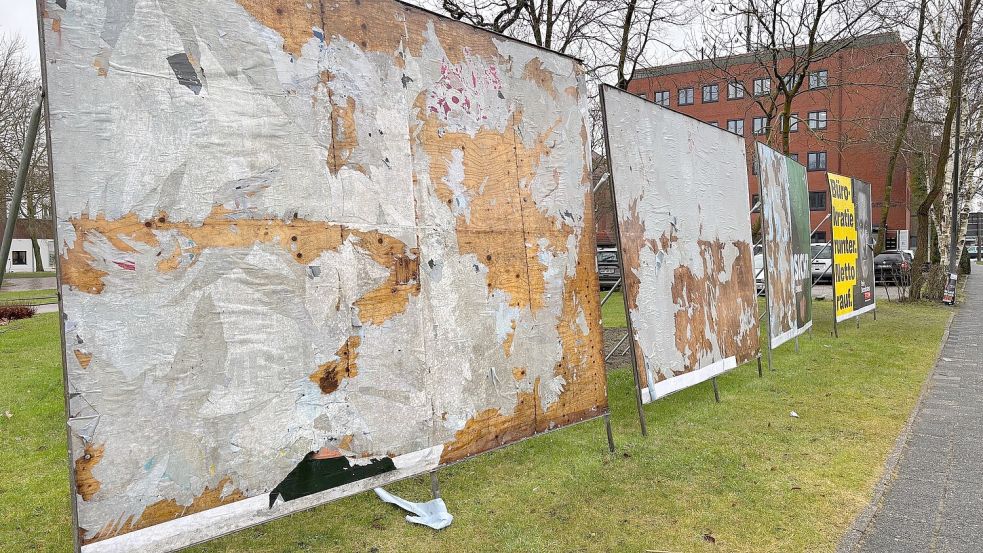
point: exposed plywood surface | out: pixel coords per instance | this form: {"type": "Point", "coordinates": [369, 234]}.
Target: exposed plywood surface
{"type": "Point", "coordinates": [346, 227]}
{"type": "Point", "coordinates": [682, 211]}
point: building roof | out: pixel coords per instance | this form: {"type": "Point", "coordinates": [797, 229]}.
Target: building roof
{"type": "Point", "coordinates": [43, 229]}
{"type": "Point", "coordinates": [863, 41]}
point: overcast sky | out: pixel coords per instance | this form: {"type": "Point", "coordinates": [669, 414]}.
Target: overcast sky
{"type": "Point", "coordinates": [19, 18]}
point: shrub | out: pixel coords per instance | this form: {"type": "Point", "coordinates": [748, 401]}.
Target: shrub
{"type": "Point", "coordinates": [14, 312]}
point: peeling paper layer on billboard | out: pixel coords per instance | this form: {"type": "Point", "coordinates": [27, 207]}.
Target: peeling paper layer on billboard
{"type": "Point", "coordinates": [307, 249]}
{"type": "Point", "coordinates": [681, 198]}
{"type": "Point", "coordinates": [785, 227]}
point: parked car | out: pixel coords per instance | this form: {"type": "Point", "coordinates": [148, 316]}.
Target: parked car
{"type": "Point", "coordinates": [608, 269]}
{"type": "Point", "coordinates": [822, 261]}
{"type": "Point", "coordinates": [973, 251]}
{"type": "Point", "coordinates": [759, 268]}
{"type": "Point", "coordinates": [892, 266]}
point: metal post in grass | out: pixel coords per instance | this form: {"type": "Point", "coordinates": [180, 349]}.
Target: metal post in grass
{"type": "Point", "coordinates": [434, 485]}
{"type": "Point", "coordinates": [18, 192]}
{"type": "Point", "coordinates": [716, 391]}
{"type": "Point", "coordinates": [607, 427]}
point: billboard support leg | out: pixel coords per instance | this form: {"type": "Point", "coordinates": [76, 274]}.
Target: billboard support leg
{"type": "Point", "coordinates": [759, 366]}
{"type": "Point", "coordinates": [614, 287]}
{"type": "Point", "coordinates": [796, 343]}
{"type": "Point", "coordinates": [638, 396]}
{"type": "Point", "coordinates": [716, 391]}
{"type": "Point", "coordinates": [607, 426]}
{"type": "Point", "coordinates": [771, 367]}
{"type": "Point", "coordinates": [616, 346]}
{"type": "Point", "coordinates": [434, 485]}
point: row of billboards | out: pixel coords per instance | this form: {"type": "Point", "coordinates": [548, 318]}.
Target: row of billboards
{"type": "Point", "coordinates": [306, 250]}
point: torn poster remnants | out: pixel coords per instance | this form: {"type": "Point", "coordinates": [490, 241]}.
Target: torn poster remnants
{"type": "Point", "coordinates": [785, 228]}
{"type": "Point", "coordinates": [307, 249]}
{"type": "Point", "coordinates": [682, 216]}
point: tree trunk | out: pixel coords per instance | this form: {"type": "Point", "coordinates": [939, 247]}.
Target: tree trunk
{"type": "Point", "coordinates": [954, 98]}
{"type": "Point", "coordinates": [36, 249]}
{"type": "Point", "coordinates": [623, 53]}
{"type": "Point", "coordinates": [919, 190]}
{"type": "Point", "coordinates": [902, 128]}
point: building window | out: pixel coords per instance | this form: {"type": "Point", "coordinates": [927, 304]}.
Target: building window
{"type": "Point", "coordinates": [789, 81]}
{"type": "Point", "coordinates": [711, 93]}
{"type": "Point", "coordinates": [685, 96]}
{"type": "Point", "coordinates": [18, 257]}
{"type": "Point", "coordinates": [736, 126]}
{"type": "Point", "coordinates": [755, 208]}
{"type": "Point", "coordinates": [795, 157]}
{"type": "Point", "coordinates": [817, 201]}
{"type": "Point", "coordinates": [819, 236]}
{"type": "Point", "coordinates": [755, 166]}
{"type": "Point", "coordinates": [762, 87]}
{"type": "Point", "coordinates": [735, 90]}
{"type": "Point", "coordinates": [793, 122]}
{"type": "Point", "coordinates": [759, 125]}
{"type": "Point", "coordinates": [817, 120]}
{"type": "Point", "coordinates": [662, 98]}
{"type": "Point", "coordinates": [819, 79]}
{"type": "Point", "coordinates": [817, 161]}
{"type": "Point", "coordinates": [714, 123]}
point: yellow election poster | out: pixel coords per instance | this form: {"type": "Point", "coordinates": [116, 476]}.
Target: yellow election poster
{"type": "Point", "coordinates": [844, 244]}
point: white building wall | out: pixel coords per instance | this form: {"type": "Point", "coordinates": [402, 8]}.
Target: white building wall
{"type": "Point", "coordinates": [21, 251]}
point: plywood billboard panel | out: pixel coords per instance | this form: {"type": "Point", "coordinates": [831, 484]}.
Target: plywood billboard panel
{"type": "Point", "coordinates": [681, 199]}
{"type": "Point", "coordinates": [307, 249]}
{"type": "Point", "coordinates": [785, 227]}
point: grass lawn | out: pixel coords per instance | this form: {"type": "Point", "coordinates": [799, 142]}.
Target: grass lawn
{"type": "Point", "coordinates": [613, 312]}
{"type": "Point", "coordinates": [29, 275]}
{"type": "Point", "coordinates": [36, 297]}
{"type": "Point", "coordinates": [743, 471]}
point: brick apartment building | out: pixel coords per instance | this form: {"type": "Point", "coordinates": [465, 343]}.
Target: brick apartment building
{"type": "Point", "coordinates": [846, 112]}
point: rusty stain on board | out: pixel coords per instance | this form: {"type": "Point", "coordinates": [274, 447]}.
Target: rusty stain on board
{"type": "Point", "coordinates": [329, 375]}
{"type": "Point", "coordinates": [85, 483]}
{"type": "Point", "coordinates": [169, 509]}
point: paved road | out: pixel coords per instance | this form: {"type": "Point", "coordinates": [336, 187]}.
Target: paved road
{"type": "Point", "coordinates": [880, 292]}
{"type": "Point", "coordinates": [43, 283]}
{"type": "Point", "coordinates": [934, 501]}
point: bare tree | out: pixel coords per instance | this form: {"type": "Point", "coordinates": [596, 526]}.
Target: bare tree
{"type": "Point", "coordinates": [19, 93]}
{"type": "Point", "coordinates": [899, 15]}
{"type": "Point", "coordinates": [951, 25]}
{"type": "Point", "coordinates": [612, 37]}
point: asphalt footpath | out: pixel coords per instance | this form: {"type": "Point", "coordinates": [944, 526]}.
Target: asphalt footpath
{"type": "Point", "coordinates": [932, 498]}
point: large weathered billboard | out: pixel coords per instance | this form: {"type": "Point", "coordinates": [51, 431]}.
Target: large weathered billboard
{"type": "Point", "coordinates": [307, 249]}
{"type": "Point", "coordinates": [798, 190]}
{"type": "Point", "coordinates": [681, 201]}
{"type": "Point", "coordinates": [853, 254]}
{"type": "Point", "coordinates": [785, 227]}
